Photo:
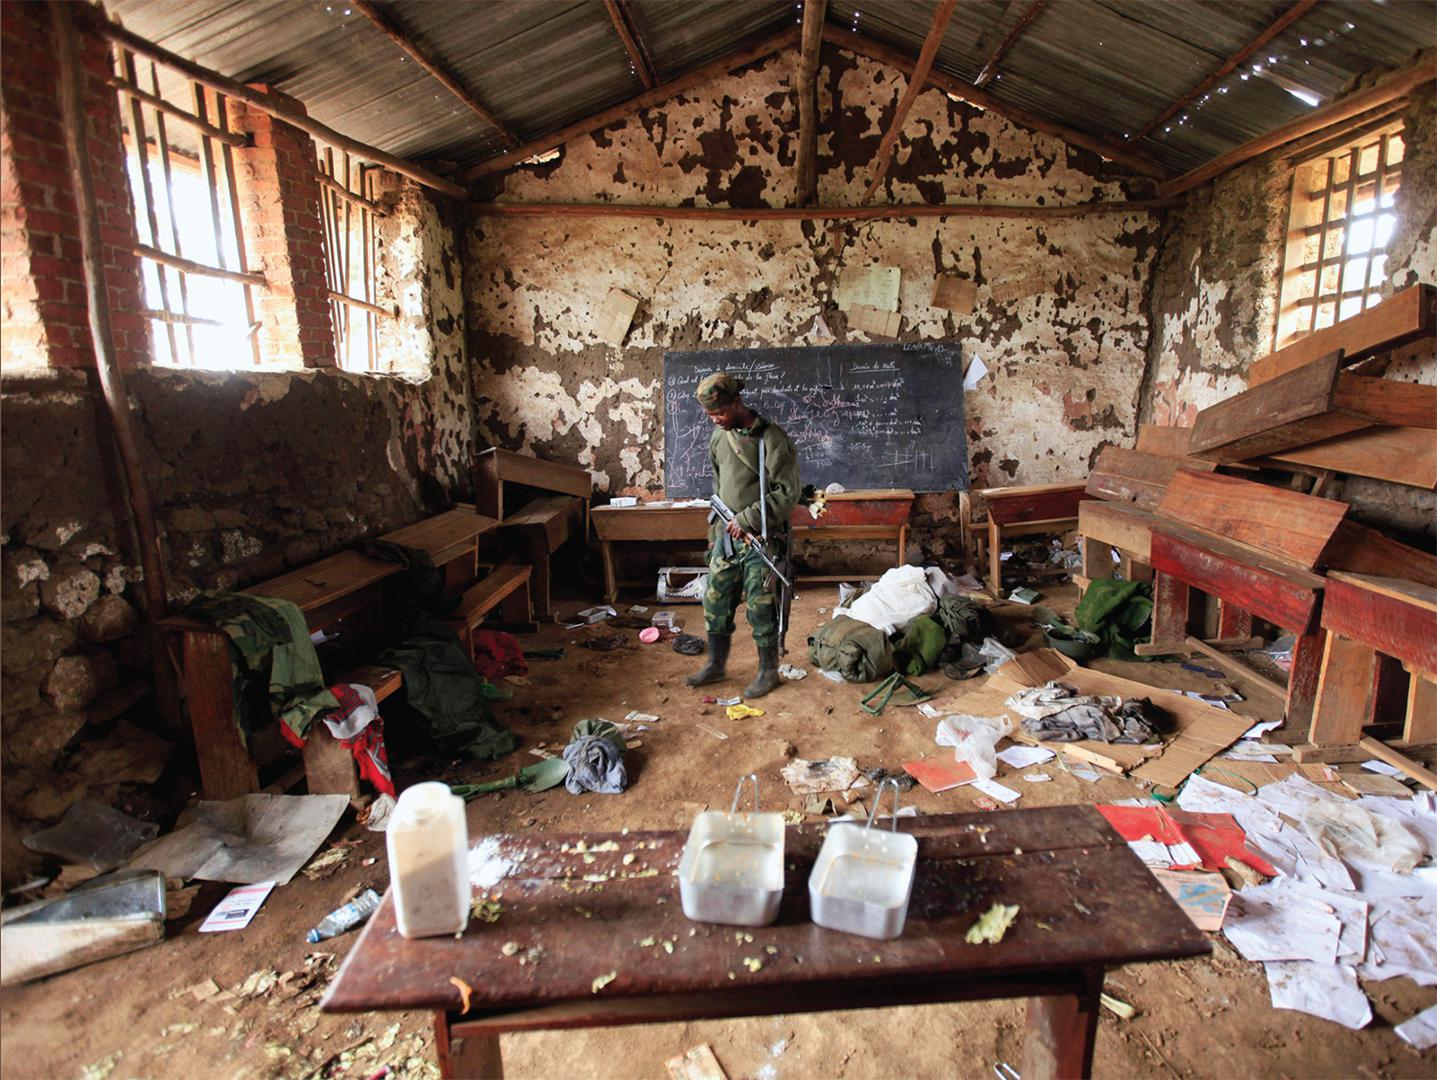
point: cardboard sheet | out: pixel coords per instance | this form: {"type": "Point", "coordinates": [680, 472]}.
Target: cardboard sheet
{"type": "Point", "coordinates": [1197, 731]}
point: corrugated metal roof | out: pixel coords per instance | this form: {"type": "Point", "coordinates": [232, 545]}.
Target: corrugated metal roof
{"type": "Point", "coordinates": [1105, 67]}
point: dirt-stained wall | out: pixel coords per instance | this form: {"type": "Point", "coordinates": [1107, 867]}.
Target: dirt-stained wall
{"type": "Point", "coordinates": [1215, 294]}
{"type": "Point", "coordinates": [251, 474]}
{"type": "Point", "coordinates": [1066, 359]}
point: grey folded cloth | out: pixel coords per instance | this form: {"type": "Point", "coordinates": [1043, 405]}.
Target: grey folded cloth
{"type": "Point", "coordinates": [1058, 713]}
{"type": "Point", "coordinates": [595, 756]}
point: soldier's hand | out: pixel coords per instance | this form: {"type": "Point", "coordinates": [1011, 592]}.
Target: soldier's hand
{"type": "Point", "coordinates": [734, 529]}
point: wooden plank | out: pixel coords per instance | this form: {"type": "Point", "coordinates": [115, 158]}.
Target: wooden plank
{"type": "Point", "coordinates": [328, 765]}
{"type": "Point", "coordinates": [311, 587]}
{"type": "Point", "coordinates": [484, 597]}
{"type": "Point", "coordinates": [382, 680]}
{"type": "Point", "coordinates": [538, 473]}
{"type": "Point", "coordinates": [1121, 526]}
{"type": "Point", "coordinates": [1396, 618]}
{"type": "Point", "coordinates": [1379, 749]}
{"type": "Point", "coordinates": [1032, 503]}
{"type": "Point", "coordinates": [650, 523]}
{"type": "Point", "coordinates": [1360, 549]}
{"type": "Point", "coordinates": [1345, 690]}
{"type": "Point", "coordinates": [1294, 527]}
{"type": "Point", "coordinates": [1387, 401]}
{"type": "Point", "coordinates": [1131, 476]}
{"type": "Point", "coordinates": [440, 535]}
{"type": "Point", "coordinates": [1398, 455]}
{"type": "Point", "coordinates": [1302, 679]}
{"type": "Point", "coordinates": [1171, 605]}
{"type": "Point", "coordinates": [1420, 725]}
{"type": "Point", "coordinates": [1268, 587]}
{"type": "Point", "coordinates": [1237, 668]}
{"type": "Point", "coordinates": [226, 771]}
{"type": "Point", "coordinates": [1404, 316]}
{"type": "Point", "coordinates": [1163, 440]}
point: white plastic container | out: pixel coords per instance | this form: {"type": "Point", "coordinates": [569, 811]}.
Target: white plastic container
{"type": "Point", "coordinates": [428, 843]}
{"type": "Point", "coordinates": [731, 870]}
{"type": "Point", "coordinates": [863, 877]}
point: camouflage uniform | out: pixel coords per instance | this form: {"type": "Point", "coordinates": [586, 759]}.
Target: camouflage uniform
{"type": "Point", "coordinates": [734, 457]}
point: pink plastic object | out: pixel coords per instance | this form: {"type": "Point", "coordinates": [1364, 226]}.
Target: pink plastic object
{"type": "Point", "coordinates": [649, 634]}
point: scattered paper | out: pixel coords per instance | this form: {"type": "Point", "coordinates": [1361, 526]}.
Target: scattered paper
{"type": "Point", "coordinates": [973, 376]}
{"type": "Point", "coordinates": [236, 910]}
{"type": "Point", "coordinates": [1261, 728]}
{"type": "Point", "coordinates": [788, 671]}
{"type": "Point", "coordinates": [1421, 1030]}
{"type": "Point", "coordinates": [697, 1064]}
{"type": "Point", "coordinates": [715, 732]}
{"type": "Point", "coordinates": [940, 775]}
{"type": "Point", "coordinates": [1269, 923]}
{"type": "Point", "coordinates": [1381, 767]}
{"type": "Point", "coordinates": [1037, 777]}
{"type": "Point", "coordinates": [1020, 757]}
{"type": "Point", "coordinates": [831, 676]}
{"type": "Point", "coordinates": [997, 791]}
{"type": "Point", "coordinates": [1326, 990]}
{"type": "Point", "coordinates": [815, 777]}
{"type": "Point", "coordinates": [624, 500]}
{"type": "Point", "coordinates": [1092, 776]}
{"type": "Point", "coordinates": [1203, 896]}
{"type": "Point", "coordinates": [1152, 852]}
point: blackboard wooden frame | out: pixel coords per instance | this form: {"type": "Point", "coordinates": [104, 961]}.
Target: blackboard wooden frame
{"type": "Point", "coordinates": [866, 416]}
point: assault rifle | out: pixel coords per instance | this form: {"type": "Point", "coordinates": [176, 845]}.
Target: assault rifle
{"type": "Point", "coordinates": [719, 509]}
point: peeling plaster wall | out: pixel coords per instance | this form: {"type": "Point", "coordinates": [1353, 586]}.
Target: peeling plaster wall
{"type": "Point", "coordinates": [251, 474]}
{"type": "Point", "coordinates": [1067, 362]}
{"type": "Point", "coordinates": [1215, 293]}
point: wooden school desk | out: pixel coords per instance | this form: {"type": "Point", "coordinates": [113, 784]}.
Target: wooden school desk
{"type": "Point", "coordinates": [590, 927]}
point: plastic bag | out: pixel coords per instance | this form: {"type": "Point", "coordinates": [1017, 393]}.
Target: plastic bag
{"type": "Point", "coordinates": [974, 739]}
{"type": "Point", "coordinates": [1357, 835]}
{"type": "Point", "coordinates": [995, 654]}
{"type": "Point", "coordinates": [900, 596]}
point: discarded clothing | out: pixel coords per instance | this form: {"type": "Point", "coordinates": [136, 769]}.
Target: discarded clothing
{"type": "Point", "coordinates": [922, 642]}
{"type": "Point", "coordinates": [1119, 612]}
{"type": "Point", "coordinates": [689, 645]}
{"type": "Point", "coordinates": [275, 668]}
{"type": "Point", "coordinates": [595, 757]}
{"type": "Point", "coordinates": [1058, 713]}
{"type": "Point", "coordinates": [896, 599]}
{"type": "Point", "coordinates": [358, 707]}
{"type": "Point", "coordinates": [447, 699]}
{"type": "Point", "coordinates": [414, 594]}
{"type": "Point", "coordinates": [497, 654]}
{"type": "Point", "coordinates": [853, 648]}
{"type": "Point", "coordinates": [963, 619]}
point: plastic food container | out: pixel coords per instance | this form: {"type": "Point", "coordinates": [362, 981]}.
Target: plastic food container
{"type": "Point", "coordinates": [863, 878]}
{"type": "Point", "coordinates": [731, 870]}
{"type": "Point", "coordinates": [428, 844]}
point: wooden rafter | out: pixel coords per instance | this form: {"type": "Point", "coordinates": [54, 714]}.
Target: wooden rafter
{"type": "Point", "coordinates": [1395, 86]}
{"type": "Point", "coordinates": [93, 20]}
{"type": "Point", "coordinates": [628, 31]}
{"type": "Point", "coordinates": [1283, 21]}
{"type": "Point", "coordinates": [394, 33]}
{"type": "Point", "coordinates": [864, 46]}
{"type": "Point", "coordinates": [991, 67]}
{"type": "Point", "coordinates": [647, 100]}
{"type": "Point", "coordinates": [807, 86]}
{"type": "Point", "coordinates": [941, 14]}
{"type": "Point", "coordinates": [814, 213]}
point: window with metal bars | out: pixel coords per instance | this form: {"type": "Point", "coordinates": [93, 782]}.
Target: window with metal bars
{"type": "Point", "coordinates": [351, 242]}
{"type": "Point", "coordinates": [1339, 224]}
{"type": "Point", "coordinates": [180, 157]}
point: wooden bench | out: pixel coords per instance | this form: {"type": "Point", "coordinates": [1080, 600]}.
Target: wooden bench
{"type": "Point", "coordinates": [544, 524]}
{"type": "Point", "coordinates": [1025, 511]}
{"type": "Point", "coordinates": [505, 588]}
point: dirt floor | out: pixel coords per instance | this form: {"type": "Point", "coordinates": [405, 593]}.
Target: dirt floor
{"type": "Point", "coordinates": [134, 1016]}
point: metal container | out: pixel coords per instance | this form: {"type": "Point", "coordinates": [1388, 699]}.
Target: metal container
{"type": "Point", "coordinates": [731, 870]}
{"type": "Point", "coordinates": [863, 877]}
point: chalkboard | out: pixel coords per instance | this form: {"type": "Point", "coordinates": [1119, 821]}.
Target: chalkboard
{"type": "Point", "coordinates": [866, 416]}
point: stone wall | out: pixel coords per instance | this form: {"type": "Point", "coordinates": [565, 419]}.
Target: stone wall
{"type": "Point", "coordinates": [1067, 360]}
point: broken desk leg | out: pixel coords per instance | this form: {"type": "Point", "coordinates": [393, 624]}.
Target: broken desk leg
{"type": "Point", "coordinates": [1061, 1031]}
{"type": "Point", "coordinates": [473, 1057]}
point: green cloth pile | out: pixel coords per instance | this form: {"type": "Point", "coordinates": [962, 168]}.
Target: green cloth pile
{"type": "Point", "coordinates": [1119, 613]}
{"type": "Point", "coordinates": [917, 652]}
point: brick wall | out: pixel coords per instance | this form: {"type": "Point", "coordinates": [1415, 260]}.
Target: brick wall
{"type": "Point", "coordinates": [284, 236]}
{"type": "Point", "coordinates": [42, 285]}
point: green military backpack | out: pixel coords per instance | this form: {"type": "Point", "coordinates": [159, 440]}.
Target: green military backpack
{"type": "Point", "coordinates": [857, 651]}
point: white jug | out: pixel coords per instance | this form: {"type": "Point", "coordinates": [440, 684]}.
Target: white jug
{"type": "Point", "coordinates": [428, 843]}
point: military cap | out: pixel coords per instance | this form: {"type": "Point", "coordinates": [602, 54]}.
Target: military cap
{"type": "Point", "coordinates": [718, 389]}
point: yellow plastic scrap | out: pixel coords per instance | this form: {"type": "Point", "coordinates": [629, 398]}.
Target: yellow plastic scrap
{"type": "Point", "coordinates": [602, 981]}
{"type": "Point", "coordinates": [992, 924]}
{"type": "Point", "coordinates": [742, 711]}
{"type": "Point", "coordinates": [464, 991]}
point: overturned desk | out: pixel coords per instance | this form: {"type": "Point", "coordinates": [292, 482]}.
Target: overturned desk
{"type": "Point", "coordinates": [613, 946]}
{"type": "Point", "coordinates": [876, 514]}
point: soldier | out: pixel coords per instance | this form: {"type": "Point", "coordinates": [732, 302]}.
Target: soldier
{"type": "Point", "coordinates": [756, 475]}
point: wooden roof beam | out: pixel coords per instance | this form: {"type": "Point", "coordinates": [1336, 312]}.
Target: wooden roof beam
{"type": "Point", "coordinates": [916, 80]}
{"type": "Point", "coordinates": [1126, 156]}
{"type": "Point", "coordinates": [991, 67]}
{"type": "Point", "coordinates": [887, 211]}
{"type": "Point", "coordinates": [94, 21]}
{"type": "Point", "coordinates": [628, 31]}
{"type": "Point", "coordinates": [1281, 23]}
{"type": "Point", "coordinates": [807, 85]}
{"type": "Point", "coordinates": [1396, 86]}
{"type": "Point", "coordinates": [394, 33]}
{"type": "Point", "coordinates": [648, 99]}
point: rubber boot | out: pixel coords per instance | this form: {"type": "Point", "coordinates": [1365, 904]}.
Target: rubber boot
{"type": "Point", "coordinates": [767, 677]}
{"type": "Point", "coordinates": [714, 670]}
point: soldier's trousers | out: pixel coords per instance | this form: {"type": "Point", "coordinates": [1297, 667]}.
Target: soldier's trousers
{"type": "Point", "coordinates": [744, 575]}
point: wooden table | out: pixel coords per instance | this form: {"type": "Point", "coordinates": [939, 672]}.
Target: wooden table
{"type": "Point", "coordinates": [865, 514]}
{"type": "Point", "coordinates": [1026, 511]}
{"type": "Point", "coordinates": [1086, 903]}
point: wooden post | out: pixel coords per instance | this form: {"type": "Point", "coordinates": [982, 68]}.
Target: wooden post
{"type": "Point", "coordinates": [1344, 697]}
{"type": "Point", "coordinates": [1061, 1032]}
{"type": "Point", "coordinates": [107, 369]}
{"type": "Point", "coordinates": [1307, 651]}
{"type": "Point", "coordinates": [1421, 722]}
{"type": "Point", "coordinates": [1170, 615]}
{"type": "Point", "coordinates": [807, 89]}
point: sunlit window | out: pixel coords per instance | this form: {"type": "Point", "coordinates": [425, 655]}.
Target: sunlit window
{"type": "Point", "coordinates": [1341, 220]}
{"type": "Point", "coordinates": [180, 158]}
{"type": "Point", "coordinates": [351, 264]}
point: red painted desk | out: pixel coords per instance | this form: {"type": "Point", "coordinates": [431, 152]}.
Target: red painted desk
{"type": "Point", "coordinates": [592, 913]}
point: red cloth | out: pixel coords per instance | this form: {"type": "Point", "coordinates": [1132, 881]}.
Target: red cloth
{"type": "Point", "coordinates": [497, 654]}
{"type": "Point", "coordinates": [371, 757]}
{"type": "Point", "coordinates": [1212, 836]}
